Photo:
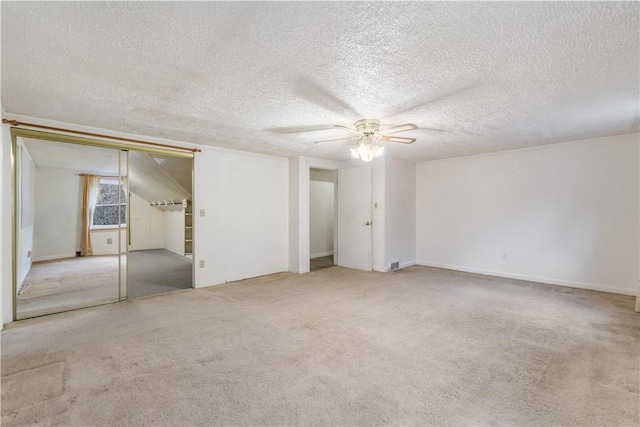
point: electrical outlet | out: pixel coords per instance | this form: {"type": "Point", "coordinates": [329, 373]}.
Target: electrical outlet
{"type": "Point", "coordinates": [201, 263]}
{"type": "Point", "coordinates": [109, 241]}
{"type": "Point", "coordinates": [202, 212]}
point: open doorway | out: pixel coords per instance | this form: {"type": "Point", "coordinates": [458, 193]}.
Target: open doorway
{"type": "Point", "coordinates": [322, 214]}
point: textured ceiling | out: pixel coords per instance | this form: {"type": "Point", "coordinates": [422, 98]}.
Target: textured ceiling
{"type": "Point", "coordinates": [75, 157]}
{"type": "Point", "coordinates": [248, 76]}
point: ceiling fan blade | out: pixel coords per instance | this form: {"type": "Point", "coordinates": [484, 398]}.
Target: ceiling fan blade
{"type": "Point", "coordinates": [397, 139]}
{"type": "Point", "coordinates": [339, 139]}
{"type": "Point", "coordinates": [346, 128]}
{"type": "Point", "coordinates": [400, 128]}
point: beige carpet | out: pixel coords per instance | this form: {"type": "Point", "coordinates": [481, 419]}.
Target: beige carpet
{"type": "Point", "coordinates": [67, 284]}
{"type": "Point", "coordinates": [319, 263]}
{"type": "Point", "coordinates": [71, 283]}
{"type": "Point", "coordinates": [334, 347]}
{"type": "Point", "coordinates": [156, 271]}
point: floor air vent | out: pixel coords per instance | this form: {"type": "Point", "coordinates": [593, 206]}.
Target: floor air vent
{"type": "Point", "coordinates": [395, 266]}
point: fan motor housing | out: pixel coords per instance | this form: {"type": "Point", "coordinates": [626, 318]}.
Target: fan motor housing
{"type": "Point", "coordinates": [367, 126]}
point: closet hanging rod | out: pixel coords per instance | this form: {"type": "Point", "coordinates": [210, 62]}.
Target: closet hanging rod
{"type": "Point", "coordinates": [117, 138]}
{"type": "Point", "coordinates": [160, 203]}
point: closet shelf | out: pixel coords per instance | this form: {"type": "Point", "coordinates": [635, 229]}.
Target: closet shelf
{"type": "Point", "coordinates": [170, 204]}
{"type": "Point", "coordinates": [188, 228]}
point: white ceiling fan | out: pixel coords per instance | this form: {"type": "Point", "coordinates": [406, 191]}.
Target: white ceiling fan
{"type": "Point", "coordinates": [367, 131]}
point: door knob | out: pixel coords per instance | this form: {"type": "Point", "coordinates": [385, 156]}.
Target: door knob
{"type": "Point", "coordinates": [367, 223]}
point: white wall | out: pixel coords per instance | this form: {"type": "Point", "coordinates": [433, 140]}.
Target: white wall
{"type": "Point", "coordinates": [378, 215]}
{"type": "Point", "coordinates": [25, 212]}
{"type": "Point", "coordinates": [296, 261]}
{"type": "Point", "coordinates": [400, 212]}
{"type": "Point", "coordinates": [257, 222]}
{"type": "Point", "coordinates": [100, 241]}
{"type": "Point", "coordinates": [173, 225]}
{"type": "Point", "coordinates": [57, 214]}
{"type": "Point", "coordinates": [564, 214]}
{"type": "Point", "coordinates": [321, 202]}
{"type": "Point", "coordinates": [244, 232]}
{"type": "Point", "coordinates": [147, 225]}
{"type": "Point", "coordinates": [26, 180]}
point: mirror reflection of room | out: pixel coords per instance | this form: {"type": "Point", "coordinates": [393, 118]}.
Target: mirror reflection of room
{"type": "Point", "coordinates": [161, 232]}
{"type": "Point", "coordinates": [70, 214]}
{"type": "Point", "coordinates": [77, 204]}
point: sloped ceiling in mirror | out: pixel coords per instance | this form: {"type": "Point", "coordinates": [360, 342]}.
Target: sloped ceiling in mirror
{"type": "Point", "coordinates": [179, 168]}
{"type": "Point", "coordinates": [152, 177]}
{"type": "Point", "coordinates": [151, 181]}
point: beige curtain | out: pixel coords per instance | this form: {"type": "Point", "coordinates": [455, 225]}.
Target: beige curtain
{"type": "Point", "coordinates": [90, 191]}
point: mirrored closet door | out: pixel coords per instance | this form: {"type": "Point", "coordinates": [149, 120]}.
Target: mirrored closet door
{"type": "Point", "coordinates": [70, 215]}
{"type": "Point", "coordinates": [97, 222]}
{"type": "Point", "coordinates": [160, 228]}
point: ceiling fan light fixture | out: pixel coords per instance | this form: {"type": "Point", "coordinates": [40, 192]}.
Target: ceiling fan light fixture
{"type": "Point", "coordinates": [366, 151]}
{"type": "Point", "coordinates": [368, 131]}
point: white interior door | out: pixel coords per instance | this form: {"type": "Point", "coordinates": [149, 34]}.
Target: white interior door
{"type": "Point", "coordinates": [354, 218]}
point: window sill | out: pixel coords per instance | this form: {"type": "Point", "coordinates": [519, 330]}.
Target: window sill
{"type": "Point", "coordinates": [107, 228]}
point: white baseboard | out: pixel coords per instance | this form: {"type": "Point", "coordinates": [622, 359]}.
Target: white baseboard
{"type": "Point", "coordinates": [321, 254]}
{"type": "Point", "coordinates": [207, 286]}
{"type": "Point", "coordinates": [547, 280]}
{"type": "Point", "coordinates": [52, 257]}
